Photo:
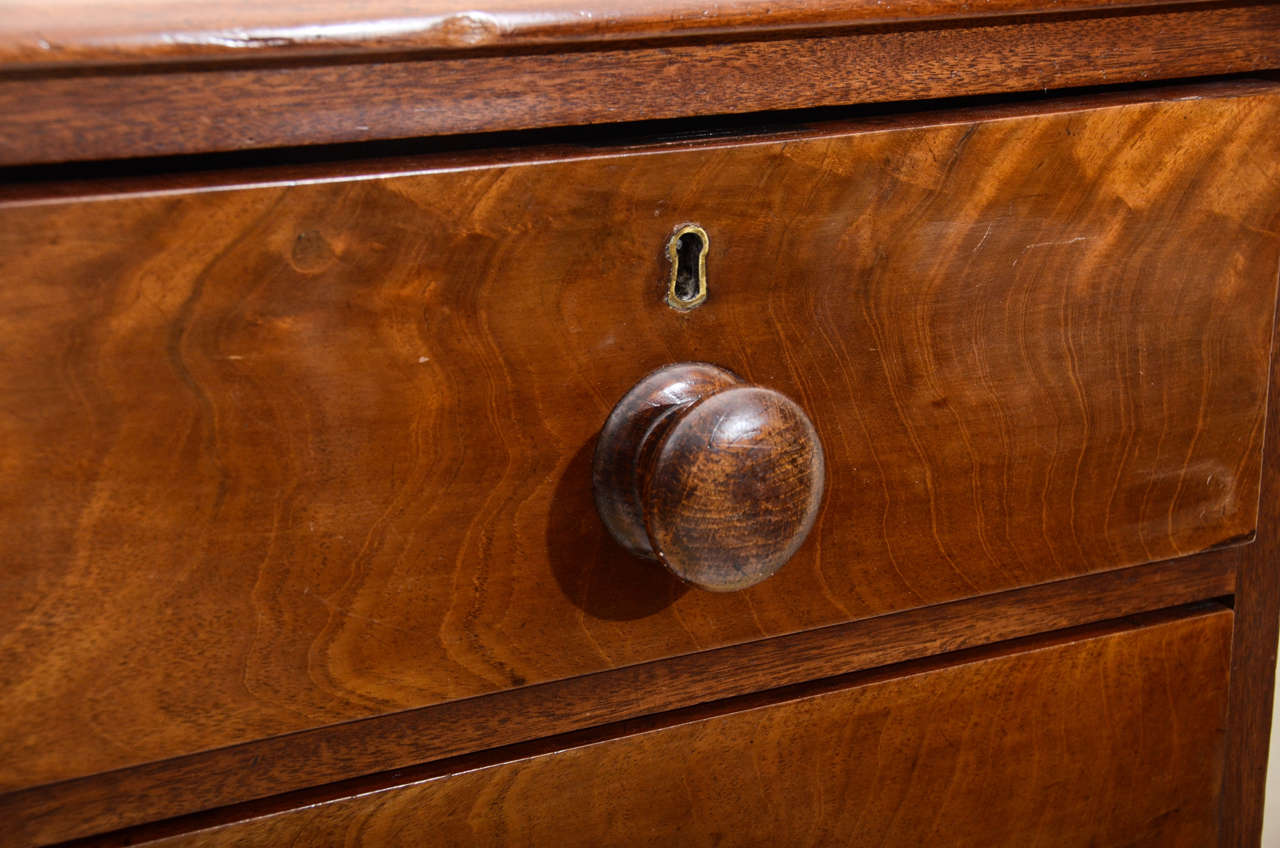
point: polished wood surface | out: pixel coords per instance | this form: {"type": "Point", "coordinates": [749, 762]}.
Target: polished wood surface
{"type": "Point", "coordinates": [1253, 656]}
{"type": "Point", "coordinates": [1097, 739]}
{"type": "Point", "coordinates": [717, 479]}
{"type": "Point", "coordinates": [60, 115]}
{"type": "Point", "coordinates": [627, 441]}
{"type": "Point", "coordinates": [347, 752]}
{"type": "Point", "coordinates": [289, 456]}
{"type": "Point", "coordinates": [76, 33]}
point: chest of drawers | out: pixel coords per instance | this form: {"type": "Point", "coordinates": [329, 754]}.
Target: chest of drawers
{"type": "Point", "coordinates": [326, 520]}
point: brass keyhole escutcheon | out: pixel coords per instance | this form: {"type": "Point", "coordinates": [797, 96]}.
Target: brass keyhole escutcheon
{"type": "Point", "coordinates": [687, 251]}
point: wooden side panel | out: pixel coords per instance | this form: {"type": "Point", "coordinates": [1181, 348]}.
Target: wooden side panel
{"type": "Point", "coordinates": [1253, 655]}
{"type": "Point", "coordinates": [1114, 740]}
{"type": "Point", "coordinates": [281, 457]}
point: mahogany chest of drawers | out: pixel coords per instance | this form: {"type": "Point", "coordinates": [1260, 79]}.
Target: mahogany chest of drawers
{"type": "Point", "coordinates": [742, 424]}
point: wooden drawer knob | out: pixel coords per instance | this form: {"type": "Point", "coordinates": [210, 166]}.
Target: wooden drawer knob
{"type": "Point", "coordinates": [717, 479]}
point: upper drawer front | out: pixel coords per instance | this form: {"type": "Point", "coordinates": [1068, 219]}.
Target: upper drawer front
{"type": "Point", "coordinates": [1108, 740]}
{"type": "Point", "coordinates": [287, 455]}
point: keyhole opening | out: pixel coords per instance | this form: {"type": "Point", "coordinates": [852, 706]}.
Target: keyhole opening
{"type": "Point", "coordinates": [688, 253]}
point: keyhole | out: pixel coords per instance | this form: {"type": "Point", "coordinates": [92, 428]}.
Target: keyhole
{"type": "Point", "coordinates": [687, 251]}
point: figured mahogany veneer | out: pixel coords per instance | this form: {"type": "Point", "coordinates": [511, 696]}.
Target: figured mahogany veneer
{"type": "Point", "coordinates": [284, 456]}
{"type": "Point", "coordinates": [1111, 737]}
{"type": "Point", "coordinates": [292, 763]}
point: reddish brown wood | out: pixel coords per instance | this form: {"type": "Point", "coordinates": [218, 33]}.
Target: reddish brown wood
{"type": "Point", "coordinates": [76, 33]}
{"type": "Point", "coordinates": [620, 447]}
{"type": "Point", "coordinates": [284, 457]}
{"type": "Point", "coordinates": [61, 117]}
{"type": "Point", "coordinates": [1253, 656]}
{"type": "Point", "coordinates": [718, 480]}
{"type": "Point", "coordinates": [280, 764]}
{"type": "Point", "coordinates": [1099, 739]}
{"type": "Point", "coordinates": [84, 181]}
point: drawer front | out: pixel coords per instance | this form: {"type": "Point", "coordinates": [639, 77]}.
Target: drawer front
{"type": "Point", "coordinates": [1099, 740]}
{"type": "Point", "coordinates": [288, 455]}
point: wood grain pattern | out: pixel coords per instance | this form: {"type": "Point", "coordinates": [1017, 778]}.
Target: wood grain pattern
{"type": "Point", "coordinates": [76, 33]}
{"type": "Point", "coordinates": [283, 457]}
{"type": "Point", "coordinates": [63, 117]}
{"type": "Point", "coordinates": [1253, 656]}
{"type": "Point", "coordinates": [338, 753]}
{"type": "Point", "coordinates": [1110, 739]}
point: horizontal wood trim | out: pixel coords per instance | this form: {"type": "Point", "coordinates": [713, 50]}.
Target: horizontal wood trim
{"type": "Point", "coordinates": [44, 35]}
{"type": "Point", "coordinates": [196, 110]}
{"type": "Point", "coordinates": [292, 166]}
{"type": "Point", "coordinates": [257, 770]}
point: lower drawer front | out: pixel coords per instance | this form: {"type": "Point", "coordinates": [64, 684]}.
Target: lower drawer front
{"type": "Point", "coordinates": [1111, 736]}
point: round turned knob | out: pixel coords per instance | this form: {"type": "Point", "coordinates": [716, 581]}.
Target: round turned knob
{"type": "Point", "coordinates": [717, 479]}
